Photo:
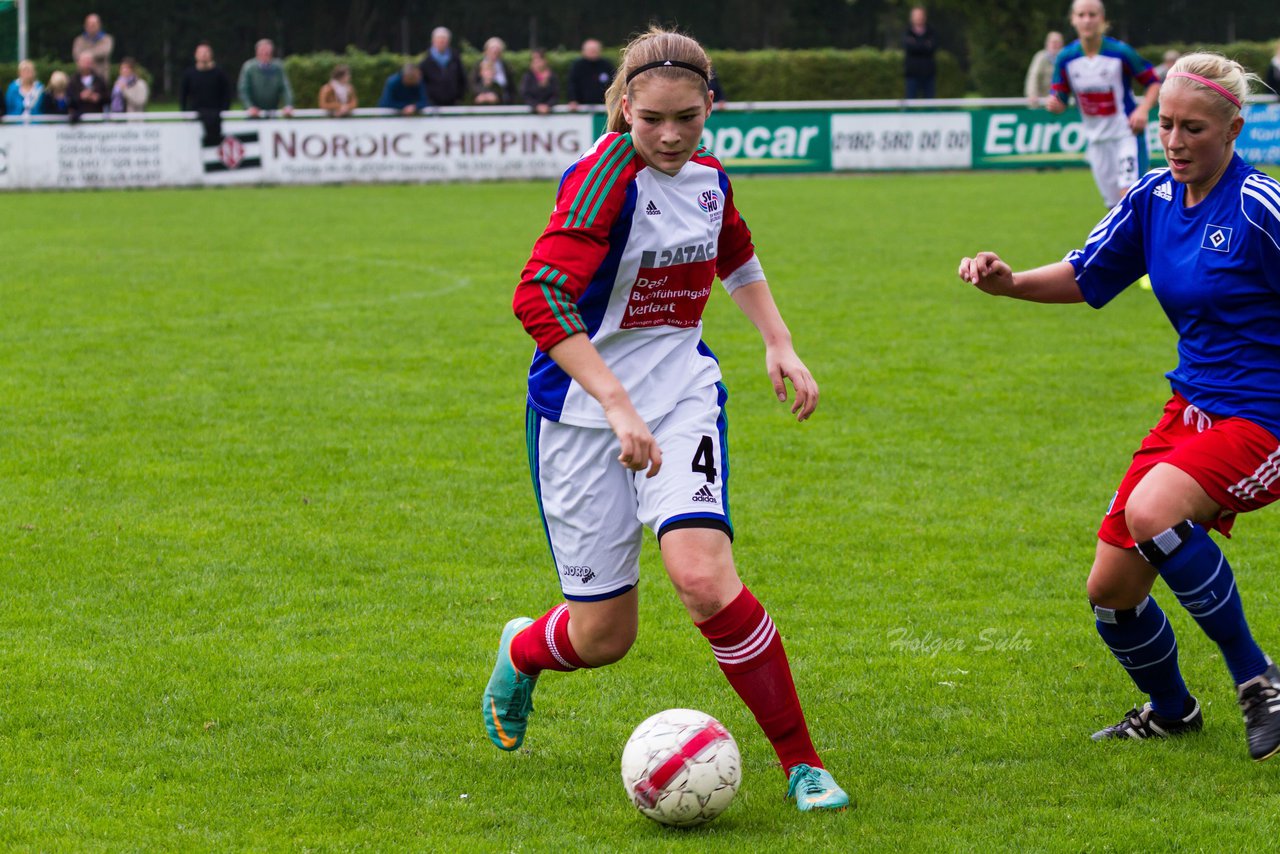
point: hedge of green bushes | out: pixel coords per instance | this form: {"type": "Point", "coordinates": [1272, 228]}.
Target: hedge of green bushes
{"type": "Point", "coordinates": [1255, 56]}
{"type": "Point", "coordinates": [773, 75]}
{"type": "Point", "coordinates": [763, 75]}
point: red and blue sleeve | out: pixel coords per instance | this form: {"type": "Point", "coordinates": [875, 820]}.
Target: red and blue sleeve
{"type": "Point", "coordinates": [575, 242]}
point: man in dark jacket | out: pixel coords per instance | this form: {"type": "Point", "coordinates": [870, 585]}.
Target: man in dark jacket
{"type": "Point", "coordinates": [206, 90]}
{"type": "Point", "coordinates": [918, 65]}
{"type": "Point", "coordinates": [442, 70]}
{"type": "Point", "coordinates": [589, 76]}
{"type": "Point", "coordinates": [405, 92]}
{"type": "Point", "coordinates": [87, 92]}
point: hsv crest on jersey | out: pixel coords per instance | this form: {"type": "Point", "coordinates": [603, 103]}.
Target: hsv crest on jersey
{"type": "Point", "coordinates": [1217, 238]}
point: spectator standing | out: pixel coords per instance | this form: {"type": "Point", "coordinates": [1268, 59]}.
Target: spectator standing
{"type": "Point", "coordinates": [338, 96]}
{"type": "Point", "coordinates": [1166, 63]}
{"type": "Point", "coordinates": [442, 70]}
{"type": "Point", "coordinates": [55, 101]}
{"type": "Point", "coordinates": [100, 44]}
{"type": "Point", "coordinates": [206, 90]}
{"type": "Point", "coordinates": [502, 84]}
{"type": "Point", "coordinates": [486, 90]}
{"type": "Point", "coordinates": [24, 95]}
{"type": "Point", "coordinates": [264, 84]}
{"type": "Point", "coordinates": [918, 65]}
{"type": "Point", "coordinates": [539, 88]}
{"type": "Point", "coordinates": [405, 91]}
{"type": "Point", "coordinates": [589, 76]}
{"type": "Point", "coordinates": [1039, 82]}
{"type": "Point", "coordinates": [130, 93]}
{"type": "Point", "coordinates": [1273, 71]}
{"type": "Point", "coordinates": [87, 91]}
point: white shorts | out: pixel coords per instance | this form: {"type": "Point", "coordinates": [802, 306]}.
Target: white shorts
{"type": "Point", "coordinates": [594, 510]}
{"type": "Point", "coordinates": [1117, 164]}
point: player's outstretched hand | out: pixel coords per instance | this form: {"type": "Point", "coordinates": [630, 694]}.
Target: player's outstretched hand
{"type": "Point", "coordinates": [987, 273]}
{"type": "Point", "coordinates": [783, 364]}
{"type": "Point", "coordinates": [639, 449]}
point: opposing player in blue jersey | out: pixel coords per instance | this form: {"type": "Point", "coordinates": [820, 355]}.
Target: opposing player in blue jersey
{"type": "Point", "coordinates": [625, 423]}
{"type": "Point", "coordinates": [1100, 71]}
{"type": "Point", "coordinates": [1207, 231]}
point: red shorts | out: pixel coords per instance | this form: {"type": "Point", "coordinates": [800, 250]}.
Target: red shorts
{"type": "Point", "coordinates": [1236, 462]}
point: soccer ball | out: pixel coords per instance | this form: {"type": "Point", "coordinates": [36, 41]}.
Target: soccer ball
{"type": "Point", "coordinates": [681, 767]}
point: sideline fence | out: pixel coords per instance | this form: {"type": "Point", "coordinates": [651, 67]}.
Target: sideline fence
{"type": "Point", "coordinates": [156, 149]}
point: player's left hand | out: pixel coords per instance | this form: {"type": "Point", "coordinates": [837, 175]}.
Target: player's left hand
{"type": "Point", "coordinates": [1138, 121]}
{"type": "Point", "coordinates": [783, 364]}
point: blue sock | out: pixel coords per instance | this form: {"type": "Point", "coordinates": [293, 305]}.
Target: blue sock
{"type": "Point", "coordinates": [1142, 641]}
{"type": "Point", "coordinates": [1195, 569]}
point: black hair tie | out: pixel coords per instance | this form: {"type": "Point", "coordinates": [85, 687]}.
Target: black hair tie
{"type": "Point", "coordinates": [669, 63]}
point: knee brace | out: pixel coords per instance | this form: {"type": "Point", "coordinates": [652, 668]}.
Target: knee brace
{"type": "Point", "coordinates": [1118, 616]}
{"type": "Point", "coordinates": [1161, 547]}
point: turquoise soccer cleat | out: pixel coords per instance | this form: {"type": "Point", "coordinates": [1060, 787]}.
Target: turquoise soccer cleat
{"type": "Point", "coordinates": [508, 698]}
{"type": "Point", "coordinates": [815, 789]}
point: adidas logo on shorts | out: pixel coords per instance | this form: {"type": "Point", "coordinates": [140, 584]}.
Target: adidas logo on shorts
{"type": "Point", "coordinates": [1165, 191]}
{"type": "Point", "coordinates": [651, 209]}
{"type": "Point", "coordinates": [704, 494]}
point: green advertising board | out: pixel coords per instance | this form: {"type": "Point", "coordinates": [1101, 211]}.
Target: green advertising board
{"type": "Point", "coordinates": [766, 141]}
{"type": "Point", "coordinates": [1022, 138]}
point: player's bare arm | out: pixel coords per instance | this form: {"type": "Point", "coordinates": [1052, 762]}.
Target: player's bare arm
{"type": "Point", "coordinates": [578, 357]}
{"type": "Point", "coordinates": [1138, 118]}
{"type": "Point", "coordinates": [1052, 283]}
{"type": "Point", "coordinates": [756, 302]}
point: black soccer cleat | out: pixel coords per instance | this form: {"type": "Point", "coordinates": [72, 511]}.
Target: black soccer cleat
{"type": "Point", "coordinates": [1260, 702]}
{"type": "Point", "coordinates": [1147, 724]}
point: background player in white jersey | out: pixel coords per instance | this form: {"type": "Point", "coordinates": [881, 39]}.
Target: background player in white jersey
{"type": "Point", "coordinates": [1099, 71]}
{"type": "Point", "coordinates": [613, 296]}
{"type": "Point", "coordinates": [1207, 230]}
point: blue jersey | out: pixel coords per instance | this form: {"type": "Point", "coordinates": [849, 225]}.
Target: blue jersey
{"type": "Point", "coordinates": [1215, 268]}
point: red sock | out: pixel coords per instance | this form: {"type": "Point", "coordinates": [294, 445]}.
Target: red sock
{"type": "Point", "coordinates": [545, 645]}
{"type": "Point", "coordinates": [749, 651]}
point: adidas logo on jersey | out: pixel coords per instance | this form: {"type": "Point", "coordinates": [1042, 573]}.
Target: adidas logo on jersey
{"type": "Point", "coordinates": [704, 494]}
{"type": "Point", "coordinates": [651, 209]}
{"type": "Point", "coordinates": [1165, 191]}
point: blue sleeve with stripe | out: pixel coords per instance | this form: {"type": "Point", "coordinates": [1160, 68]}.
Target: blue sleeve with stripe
{"type": "Point", "coordinates": [1114, 256]}
{"type": "Point", "coordinates": [1260, 204]}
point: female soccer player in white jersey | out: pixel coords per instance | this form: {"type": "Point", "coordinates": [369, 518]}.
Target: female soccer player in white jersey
{"type": "Point", "coordinates": [1099, 71]}
{"type": "Point", "coordinates": [1207, 231]}
{"type": "Point", "coordinates": [625, 421]}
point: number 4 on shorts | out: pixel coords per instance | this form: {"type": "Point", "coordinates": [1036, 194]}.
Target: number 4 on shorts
{"type": "Point", "coordinates": [704, 459]}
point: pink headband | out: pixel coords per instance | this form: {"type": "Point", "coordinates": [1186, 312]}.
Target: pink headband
{"type": "Point", "coordinates": [1206, 81]}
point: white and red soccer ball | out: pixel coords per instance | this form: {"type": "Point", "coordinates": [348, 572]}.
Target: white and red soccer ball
{"type": "Point", "coordinates": [681, 767]}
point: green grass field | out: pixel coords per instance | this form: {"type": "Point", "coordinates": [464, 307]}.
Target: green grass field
{"type": "Point", "coordinates": [264, 508]}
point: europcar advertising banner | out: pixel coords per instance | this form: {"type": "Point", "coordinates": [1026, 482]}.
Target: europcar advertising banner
{"type": "Point", "coordinates": [766, 141]}
{"type": "Point", "coordinates": [1022, 138]}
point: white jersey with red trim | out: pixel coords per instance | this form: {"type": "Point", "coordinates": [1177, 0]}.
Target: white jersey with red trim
{"type": "Point", "coordinates": [629, 257]}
